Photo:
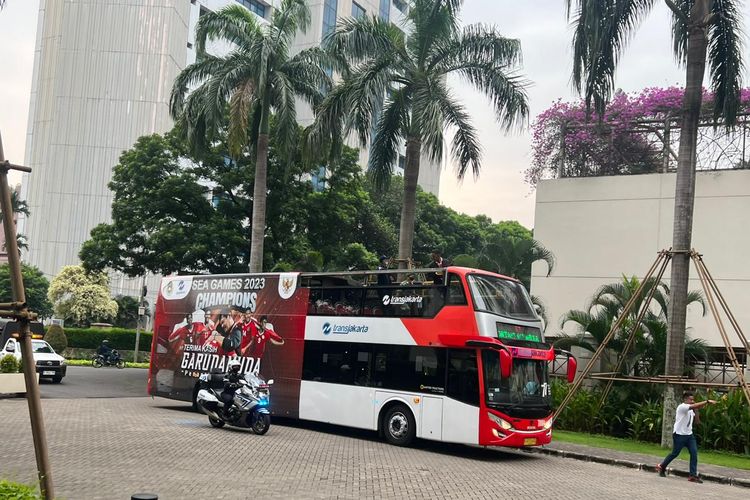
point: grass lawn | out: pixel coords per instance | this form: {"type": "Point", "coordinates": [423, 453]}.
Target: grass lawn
{"type": "Point", "coordinates": [87, 362]}
{"type": "Point", "coordinates": [627, 445]}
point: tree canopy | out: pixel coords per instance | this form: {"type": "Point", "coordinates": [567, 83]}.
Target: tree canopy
{"type": "Point", "coordinates": [81, 296]}
{"type": "Point", "coordinates": [35, 285]}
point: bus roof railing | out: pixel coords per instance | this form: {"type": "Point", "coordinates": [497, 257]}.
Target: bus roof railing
{"type": "Point", "coordinates": [421, 270]}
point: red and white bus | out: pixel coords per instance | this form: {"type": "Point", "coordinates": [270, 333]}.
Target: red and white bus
{"type": "Point", "coordinates": [463, 360]}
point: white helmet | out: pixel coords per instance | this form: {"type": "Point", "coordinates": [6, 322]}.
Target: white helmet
{"type": "Point", "coordinates": [234, 365]}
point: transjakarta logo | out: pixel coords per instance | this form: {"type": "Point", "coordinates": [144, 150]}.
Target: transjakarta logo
{"type": "Point", "coordinates": [343, 329]}
{"type": "Point", "coordinates": [396, 301]}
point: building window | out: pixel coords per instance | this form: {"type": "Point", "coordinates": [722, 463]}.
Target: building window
{"type": "Point", "coordinates": [357, 11]}
{"type": "Point", "coordinates": [254, 6]}
{"type": "Point", "coordinates": [329, 16]}
{"type": "Point", "coordinates": [385, 10]}
{"type": "Point", "coordinates": [402, 162]}
{"type": "Point", "coordinates": [400, 5]}
{"type": "Point", "coordinates": [189, 45]}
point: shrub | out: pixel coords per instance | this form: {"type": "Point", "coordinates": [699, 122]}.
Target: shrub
{"type": "Point", "coordinates": [9, 364]}
{"type": "Point", "coordinates": [17, 491]}
{"type": "Point", "coordinates": [55, 337]}
{"type": "Point", "coordinates": [119, 338]}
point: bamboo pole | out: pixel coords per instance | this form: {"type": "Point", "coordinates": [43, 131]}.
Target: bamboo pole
{"type": "Point", "coordinates": [22, 315]}
{"type": "Point", "coordinates": [639, 319]}
{"type": "Point", "coordinates": [590, 366]}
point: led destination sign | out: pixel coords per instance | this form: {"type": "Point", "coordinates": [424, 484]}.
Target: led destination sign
{"type": "Point", "coordinates": [516, 332]}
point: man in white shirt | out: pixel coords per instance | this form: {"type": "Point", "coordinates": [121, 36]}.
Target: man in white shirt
{"type": "Point", "coordinates": [683, 435]}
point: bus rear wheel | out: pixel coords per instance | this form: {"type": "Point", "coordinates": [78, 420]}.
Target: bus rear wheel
{"type": "Point", "coordinates": [399, 426]}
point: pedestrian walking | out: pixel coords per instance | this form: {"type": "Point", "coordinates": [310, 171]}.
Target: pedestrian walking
{"type": "Point", "coordinates": [683, 436]}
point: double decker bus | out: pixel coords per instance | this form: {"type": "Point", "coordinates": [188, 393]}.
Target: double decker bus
{"type": "Point", "coordinates": [458, 359]}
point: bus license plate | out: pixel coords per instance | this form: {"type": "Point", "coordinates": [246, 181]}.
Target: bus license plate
{"type": "Point", "coordinates": [48, 373]}
{"type": "Point", "coordinates": [529, 441]}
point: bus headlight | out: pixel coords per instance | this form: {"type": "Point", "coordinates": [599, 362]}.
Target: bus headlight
{"type": "Point", "coordinates": [547, 424]}
{"type": "Point", "coordinates": [504, 424]}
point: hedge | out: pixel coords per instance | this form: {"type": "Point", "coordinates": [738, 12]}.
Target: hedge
{"type": "Point", "coordinates": [119, 338]}
{"type": "Point", "coordinates": [17, 491]}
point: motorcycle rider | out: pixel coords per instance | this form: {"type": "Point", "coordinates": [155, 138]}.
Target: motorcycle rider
{"type": "Point", "coordinates": [105, 350]}
{"type": "Point", "coordinates": [231, 384]}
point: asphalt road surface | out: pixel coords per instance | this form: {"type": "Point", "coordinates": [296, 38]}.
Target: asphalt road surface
{"type": "Point", "coordinates": [90, 382]}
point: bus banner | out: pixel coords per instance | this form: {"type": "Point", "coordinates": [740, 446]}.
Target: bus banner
{"type": "Point", "coordinates": [204, 321]}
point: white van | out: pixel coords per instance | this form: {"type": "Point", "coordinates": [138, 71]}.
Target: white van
{"type": "Point", "coordinates": [49, 364]}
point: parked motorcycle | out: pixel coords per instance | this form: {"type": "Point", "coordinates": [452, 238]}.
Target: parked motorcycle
{"type": "Point", "coordinates": [249, 408]}
{"type": "Point", "coordinates": [114, 359]}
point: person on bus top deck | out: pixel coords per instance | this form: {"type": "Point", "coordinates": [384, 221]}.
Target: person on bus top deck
{"type": "Point", "coordinates": [410, 280]}
{"type": "Point", "coordinates": [384, 279]}
{"type": "Point", "coordinates": [105, 350]}
{"type": "Point", "coordinates": [231, 383]}
{"type": "Point", "coordinates": [437, 262]}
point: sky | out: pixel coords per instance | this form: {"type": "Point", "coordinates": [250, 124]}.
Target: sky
{"type": "Point", "coordinates": [500, 191]}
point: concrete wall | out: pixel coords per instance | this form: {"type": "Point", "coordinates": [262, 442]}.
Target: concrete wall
{"type": "Point", "coordinates": [600, 228]}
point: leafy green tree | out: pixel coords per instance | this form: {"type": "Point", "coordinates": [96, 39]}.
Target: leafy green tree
{"type": "Point", "coordinates": [127, 311]}
{"type": "Point", "coordinates": [162, 218]}
{"type": "Point", "coordinates": [702, 31]}
{"type": "Point", "coordinates": [256, 77]}
{"type": "Point", "coordinates": [355, 256]}
{"type": "Point", "coordinates": [79, 295]}
{"type": "Point", "coordinates": [411, 74]}
{"type": "Point", "coordinates": [35, 285]}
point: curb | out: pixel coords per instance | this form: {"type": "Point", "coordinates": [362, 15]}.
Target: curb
{"type": "Point", "coordinates": [630, 464]}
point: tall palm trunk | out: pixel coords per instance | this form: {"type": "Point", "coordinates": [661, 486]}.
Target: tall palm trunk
{"type": "Point", "coordinates": [409, 210]}
{"type": "Point", "coordinates": [258, 229]}
{"type": "Point", "coordinates": [683, 209]}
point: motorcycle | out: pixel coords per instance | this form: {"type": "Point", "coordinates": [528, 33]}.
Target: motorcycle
{"type": "Point", "coordinates": [114, 359]}
{"type": "Point", "coordinates": [250, 404]}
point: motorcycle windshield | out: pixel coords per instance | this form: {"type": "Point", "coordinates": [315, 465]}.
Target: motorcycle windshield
{"type": "Point", "coordinates": [254, 380]}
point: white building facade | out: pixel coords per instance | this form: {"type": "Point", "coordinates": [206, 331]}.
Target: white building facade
{"type": "Point", "coordinates": [601, 228]}
{"type": "Point", "coordinates": [103, 74]}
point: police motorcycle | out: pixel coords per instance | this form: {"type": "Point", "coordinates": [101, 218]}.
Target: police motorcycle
{"type": "Point", "coordinates": [249, 405]}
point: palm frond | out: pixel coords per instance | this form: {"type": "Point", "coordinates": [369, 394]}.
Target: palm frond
{"type": "Point", "coordinates": [427, 116]}
{"type": "Point", "coordinates": [365, 38]}
{"type": "Point", "coordinates": [725, 62]}
{"type": "Point", "coordinates": [680, 30]}
{"type": "Point", "coordinates": [291, 17]}
{"type": "Point", "coordinates": [240, 104]}
{"type": "Point", "coordinates": [282, 100]}
{"type": "Point", "coordinates": [506, 91]}
{"type": "Point", "coordinates": [465, 148]}
{"type": "Point", "coordinates": [477, 44]}
{"type": "Point", "coordinates": [602, 29]}
{"type": "Point", "coordinates": [234, 24]}
{"type": "Point", "coordinates": [433, 21]}
{"type": "Point", "coordinates": [389, 133]}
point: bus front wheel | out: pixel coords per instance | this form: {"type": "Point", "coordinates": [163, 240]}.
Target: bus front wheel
{"type": "Point", "coordinates": [399, 426]}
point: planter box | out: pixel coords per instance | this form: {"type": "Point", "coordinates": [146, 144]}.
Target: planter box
{"type": "Point", "coordinates": [13, 383]}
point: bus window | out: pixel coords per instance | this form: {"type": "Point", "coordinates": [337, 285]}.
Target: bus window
{"type": "Point", "coordinates": [456, 296]}
{"type": "Point", "coordinates": [500, 296]}
{"type": "Point", "coordinates": [463, 376]}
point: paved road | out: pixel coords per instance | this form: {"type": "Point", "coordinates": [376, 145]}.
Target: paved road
{"type": "Point", "coordinates": [111, 448]}
{"type": "Point", "coordinates": [90, 382]}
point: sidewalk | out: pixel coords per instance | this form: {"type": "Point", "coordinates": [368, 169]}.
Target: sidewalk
{"type": "Point", "coordinates": [707, 472]}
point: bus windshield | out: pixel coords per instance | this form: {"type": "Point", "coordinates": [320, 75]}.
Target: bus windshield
{"type": "Point", "coordinates": [527, 385]}
{"type": "Point", "coordinates": [500, 296]}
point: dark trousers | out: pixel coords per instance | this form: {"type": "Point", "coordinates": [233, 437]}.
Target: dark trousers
{"type": "Point", "coordinates": [679, 442]}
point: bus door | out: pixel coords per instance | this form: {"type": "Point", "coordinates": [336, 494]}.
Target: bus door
{"type": "Point", "coordinates": [461, 407]}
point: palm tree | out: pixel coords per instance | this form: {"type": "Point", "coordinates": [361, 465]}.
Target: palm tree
{"type": "Point", "coordinates": [410, 77]}
{"type": "Point", "coordinates": [608, 304]}
{"type": "Point", "coordinates": [256, 77]}
{"type": "Point", "coordinates": [701, 30]}
{"type": "Point", "coordinates": [514, 256]}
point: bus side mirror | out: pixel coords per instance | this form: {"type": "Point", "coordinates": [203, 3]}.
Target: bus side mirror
{"type": "Point", "coordinates": [506, 363]}
{"type": "Point", "coordinates": [572, 367]}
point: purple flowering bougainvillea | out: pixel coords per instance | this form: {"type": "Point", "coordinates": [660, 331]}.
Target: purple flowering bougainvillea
{"type": "Point", "coordinates": [628, 139]}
